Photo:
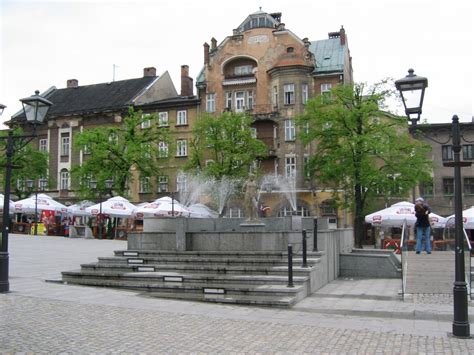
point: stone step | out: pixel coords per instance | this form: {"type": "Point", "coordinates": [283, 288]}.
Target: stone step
{"type": "Point", "coordinates": [176, 277]}
{"type": "Point", "coordinates": [266, 301]}
{"type": "Point", "coordinates": [210, 254]}
{"type": "Point", "coordinates": [196, 260]}
{"type": "Point", "coordinates": [208, 288]}
{"type": "Point", "coordinates": [202, 269]}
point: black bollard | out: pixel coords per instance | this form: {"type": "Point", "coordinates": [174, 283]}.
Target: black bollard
{"type": "Point", "coordinates": [305, 260]}
{"type": "Point", "coordinates": [290, 266]}
{"type": "Point", "coordinates": [315, 235]}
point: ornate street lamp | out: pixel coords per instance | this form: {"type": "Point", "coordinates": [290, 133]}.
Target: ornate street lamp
{"type": "Point", "coordinates": [35, 109]}
{"type": "Point", "coordinates": [412, 90]}
{"type": "Point", "coordinates": [413, 111]}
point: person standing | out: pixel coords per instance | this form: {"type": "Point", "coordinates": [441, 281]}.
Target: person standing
{"type": "Point", "coordinates": [423, 226]}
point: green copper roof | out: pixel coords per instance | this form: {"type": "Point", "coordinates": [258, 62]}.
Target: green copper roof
{"type": "Point", "coordinates": [329, 55]}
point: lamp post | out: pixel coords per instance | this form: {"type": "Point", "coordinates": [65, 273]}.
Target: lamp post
{"type": "Point", "coordinates": [416, 85]}
{"type": "Point", "coordinates": [35, 109]}
{"type": "Point", "coordinates": [42, 184]}
{"type": "Point", "coordinates": [108, 186]}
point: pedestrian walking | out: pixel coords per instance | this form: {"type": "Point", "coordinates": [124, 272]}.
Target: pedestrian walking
{"type": "Point", "coordinates": [422, 225]}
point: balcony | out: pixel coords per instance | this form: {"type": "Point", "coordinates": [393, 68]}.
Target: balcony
{"type": "Point", "coordinates": [264, 112]}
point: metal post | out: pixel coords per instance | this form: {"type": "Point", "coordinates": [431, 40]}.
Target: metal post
{"type": "Point", "coordinates": [315, 235]}
{"type": "Point", "coordinates": [36, 211]}
{"type": "Point", "coordinates": [290, 266]}
{"type": "Point", "coordinates": [305, 261]}
{"type": "Point", "coordinates": [4, 258]}
{"type": "Point", "coordinates": [101, 222]}
{"type": "Point", "coordinates": [461, 318]}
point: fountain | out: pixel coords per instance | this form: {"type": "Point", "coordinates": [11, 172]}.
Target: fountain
{"type": "Point", "coordinates": [284, 185]}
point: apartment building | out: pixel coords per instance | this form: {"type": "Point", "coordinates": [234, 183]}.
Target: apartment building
{"type": "Point", "coordinates": [265, 69]}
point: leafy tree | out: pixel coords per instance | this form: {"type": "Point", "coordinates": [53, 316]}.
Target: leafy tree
{"type": "Point", "coordinates": [115, 151]}
{"type": "Point", "coordinates": [226, 142]}
{"type": "Point", "coordinates": [28, 164]}
{"type": "Point", "coordinates": [360, 149]}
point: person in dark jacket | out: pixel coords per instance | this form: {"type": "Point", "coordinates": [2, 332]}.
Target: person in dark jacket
{"type": "Point", "coordinates": [422, 226]}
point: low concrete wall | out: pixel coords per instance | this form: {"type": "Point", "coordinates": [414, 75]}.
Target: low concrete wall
{"type": "Point", "coordinates": [370, 263]}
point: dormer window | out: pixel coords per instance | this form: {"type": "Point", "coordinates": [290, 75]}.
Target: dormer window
{"type": "Point", "coordinates": [243, 70]}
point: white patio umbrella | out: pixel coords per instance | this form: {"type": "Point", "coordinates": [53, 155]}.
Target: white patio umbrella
{"type": "Point", "coordinates": [114, 207]}
{"type": "Point", "coordinates": [12, 207]}
{"type": "Point", "coordinates": [394, 216]}
{"type": "Point", "coordinates": [79, 209]}
{"type": "Point", "coordinates": [467, 219]}
{"type": "Point", "coordinates": [162, 207]}
{"type": "Point", "coordinates": [45, 203]}
{"type": "Point", "coordinates": [199, 210]}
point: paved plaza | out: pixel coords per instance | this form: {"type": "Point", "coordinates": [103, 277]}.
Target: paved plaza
{"type": "Point", "coordinates": [346, 316]}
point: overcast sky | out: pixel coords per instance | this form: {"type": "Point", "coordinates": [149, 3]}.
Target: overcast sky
{"type": "Point", "coordinates": [45, 43]}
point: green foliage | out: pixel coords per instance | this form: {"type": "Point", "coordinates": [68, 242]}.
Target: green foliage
{"type": "Point", "coordinates": [116, 150]}
{"type": "Point", "coordinates": [28, 164]}
{"type": "Point", "coordinates": [360, 149]}
{"type": "Point", "coordinates": [226, 142]}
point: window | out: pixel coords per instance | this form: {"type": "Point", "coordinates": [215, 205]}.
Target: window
{"type": "Point", "coordinates": [448, 186]}
{"type": "Point", "coordinates": [211, 102]}
{"type": "Point", "coordinates": [181, 148]}
{"type": "Point", "coordinates": [290, 132]}
{"type": "Point", "coordinates": [275, 96]}
{"type": "Point", "coordinates": [243, 70]}
{"type": "Point", "coordinates": [326, 91]}
{"type": "Point", "coordinates": [328, 208]}
{"type": "Point", "coordinates": [307, 172]}
{"type": "Point", "coordinates": [162, 150]}
{"type": "Point", "coordinates": [65, 145]}
{"type": "Point", "coordinates": [146, 149]}
{"type": "Point", "coordinates": [43, 145]}
{"type": "Point", "coordinates": [447, 152]}
{"type": "Point", "coordinates": [304, 93]}
{"type": "Point", "coordinates": [290, 166]}
{"type": "Point", "coordinates": [162, 183]}
{"type": "Point", "coordinates": [181, 118]}
{"type": "Point", "coordinates": [239, 101]}
{"type": "Point", "coordinates": [426, 188]}
{"type": "Point", "coordinates": [144, 187]}
{"type": "Point", "coordinates": [326, 87]}
{"type": "Point", "coordinates": [306, 127]}
{"type": "Point", "coordinates": [228, 100]}
{"type": "Point", "coordinates": [64, 180]}
{"type": "Point", "coordinates": [289, 94]}
{"type": "Point", "coordinates": [86, 149]}
{"type": "Point", "coordinates": [468, 152]}
{"type": "Point", "coordinates": [181, 183]}
{"type": "Point", "coordinates": [288, 211]}
{"type": "Point", "coordinates": [290, 50]}
{"type": "Point", "coordinates": [20, 184]}
{"type": "Point", "coordinates": [469, 186]}
{"type": "Point", "coordinates": [253, 132]}
{"type": "Point", "coordinates": [146, 122]}
{"type": "Point", "coordinates": [249, 99]}
{"type": "Point", "coordinates": [163, 119]}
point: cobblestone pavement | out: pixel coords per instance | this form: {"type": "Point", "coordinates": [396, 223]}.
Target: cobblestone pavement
{"type": "Point", "coordinates": [50, 318]}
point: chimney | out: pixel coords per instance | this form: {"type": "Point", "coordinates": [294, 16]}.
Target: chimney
{"type": "Point", "coordinates": [206, 53]}
{"type": "Point", "coordinates": [72, 83]}
{"type": "Point", "coordinates": [186, 82]}
{"type": "Point", "coordinates": [342, 35]}
{"type": "Point", "coordinates": [150, 71]}
{"type": "Point", "coordinates": [213, 44]}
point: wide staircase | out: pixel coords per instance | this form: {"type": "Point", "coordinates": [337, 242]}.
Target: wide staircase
{"type": "Point", "coordinates": [430, 273]}
{"type": "Point", "coordinates": [251, 278]}
{"type": "Point", "coordinates": [434, 273]}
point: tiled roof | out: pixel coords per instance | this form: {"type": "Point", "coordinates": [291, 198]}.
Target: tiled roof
{"type": "Point", "coordinates": [95, 98]}
{"type": "Point", "coordinates": [329, 55]}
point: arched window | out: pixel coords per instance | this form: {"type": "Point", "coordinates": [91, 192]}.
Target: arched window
{"type": "Point", "coordinates": [64, 180]}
